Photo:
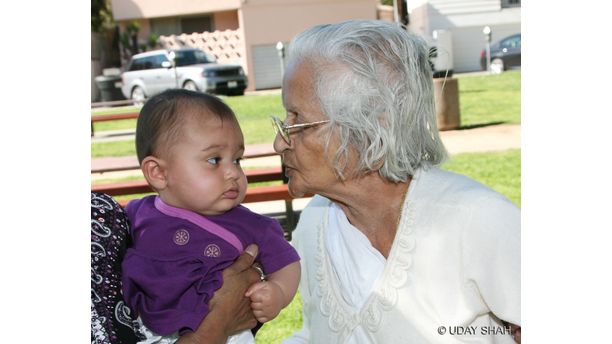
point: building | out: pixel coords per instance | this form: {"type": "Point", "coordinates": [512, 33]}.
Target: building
{"type": "Point", "coordinates": [237, 31]}
{"type": "Point", "coordinates": [465, 21]}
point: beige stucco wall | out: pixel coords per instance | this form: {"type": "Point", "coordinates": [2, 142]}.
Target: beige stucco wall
{"type": "Point", "coordinates": [267, 21]}
{"type": "Point", "coordinates": [270, 21]}
{"type": "Point", "coordinates": [135, 9]}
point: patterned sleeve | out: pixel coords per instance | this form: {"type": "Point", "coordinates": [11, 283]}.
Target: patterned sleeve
{"type": "Point", "coordinates": [111, 322]}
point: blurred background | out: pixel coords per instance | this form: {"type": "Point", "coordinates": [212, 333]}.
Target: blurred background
{"type": "Point", "coordinates": [247, 32]}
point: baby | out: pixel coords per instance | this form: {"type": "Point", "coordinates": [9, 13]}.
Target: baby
{"type": "Point", "coordinates": [189, 146]}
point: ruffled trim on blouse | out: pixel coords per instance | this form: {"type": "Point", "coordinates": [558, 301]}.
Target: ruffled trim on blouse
{"type": "Point", "coordinates": [342, 318]}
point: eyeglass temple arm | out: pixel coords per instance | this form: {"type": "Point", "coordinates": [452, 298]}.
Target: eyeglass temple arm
{"type": "Point", "coordinates": [303, 124]}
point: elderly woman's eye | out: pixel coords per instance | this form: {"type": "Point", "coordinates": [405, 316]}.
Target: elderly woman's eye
{"type": "Point", "coordinates": [213, 161]}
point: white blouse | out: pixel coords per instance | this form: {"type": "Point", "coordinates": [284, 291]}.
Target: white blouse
{"type": "Point", "coordinates": [453, 270]}
{"type": "Point", "coordinates": [354, 262]}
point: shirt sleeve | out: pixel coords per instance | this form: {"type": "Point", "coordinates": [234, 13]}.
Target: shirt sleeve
{"type": "Point", "coordinates": [492, 256]}
{"type": "Point", "coordinates": [275, 251]}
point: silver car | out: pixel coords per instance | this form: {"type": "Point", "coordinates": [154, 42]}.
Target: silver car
{"type": "Point", "coordinates": [155, 71]}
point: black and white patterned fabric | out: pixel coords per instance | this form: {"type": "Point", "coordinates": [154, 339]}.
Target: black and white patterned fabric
{"type": "Point", "coordinates": [111, 320]}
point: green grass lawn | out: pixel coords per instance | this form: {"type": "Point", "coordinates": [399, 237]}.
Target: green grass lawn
{"type": "Point", "coordinates": [483, 100]}
{"type": "Point", "coordinates": [501, 171]}
{"type": "Point", "coordinates": [287, 322]}
{"type": "Point", "coordinates": [490, 99]}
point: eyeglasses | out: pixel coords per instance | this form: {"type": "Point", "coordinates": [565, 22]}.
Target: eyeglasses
{"type": "Point", "coordinates": [283, 129]}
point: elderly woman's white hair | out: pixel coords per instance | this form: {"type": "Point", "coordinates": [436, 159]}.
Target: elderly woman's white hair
{"type": "Point", "coordinates": [374, 82]}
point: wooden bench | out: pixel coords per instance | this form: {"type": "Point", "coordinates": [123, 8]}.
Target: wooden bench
{"type": "Point", "coordinates": [253, 194]}
{"type": "Point", "coordinates": [140, 186]}
{"type": "Point", "coordinates": [115, 103]}
{"type": "Point", "coordinates": [112, 117]}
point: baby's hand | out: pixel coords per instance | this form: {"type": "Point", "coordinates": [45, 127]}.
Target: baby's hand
{"type": "Point", "coordinates": [266, 300]}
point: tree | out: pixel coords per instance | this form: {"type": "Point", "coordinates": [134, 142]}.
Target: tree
{"type": "Point", "coordinates": [101, 15]}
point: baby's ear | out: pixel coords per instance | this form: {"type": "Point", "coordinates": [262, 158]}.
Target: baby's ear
{"type": "Point", "coordinates": [154, 172]}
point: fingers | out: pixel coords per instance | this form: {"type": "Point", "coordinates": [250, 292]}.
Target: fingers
{"type": "Point", "coordinates": [261, 315]}
{"type": "Point", "coordinates": [262, 312]}
{"type": "Point", "coordinates": [254, 288]}
{"type": "Point", "coordinates": [246, 259]}
{"type": "Point", "coordinates": [262, 318]}
{"type": "Point", "coordinates": [252, 249]}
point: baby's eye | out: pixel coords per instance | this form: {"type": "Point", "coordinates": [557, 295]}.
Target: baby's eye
{"type": "Point", "coordinates": [237, 161]}
{"type": "Point", "coordinates": [213, 161]}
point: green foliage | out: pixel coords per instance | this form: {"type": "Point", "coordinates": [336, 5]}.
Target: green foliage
{"type": "Point", "coordinates": [101, 15]}
{"type": "Point", "coordinates": [152, 42]}
{"type": "Point", "coordinates": [129, 39]}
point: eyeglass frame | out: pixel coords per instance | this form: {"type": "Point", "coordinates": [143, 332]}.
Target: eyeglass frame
{"type": "Point", "coordinates": [281, 128]}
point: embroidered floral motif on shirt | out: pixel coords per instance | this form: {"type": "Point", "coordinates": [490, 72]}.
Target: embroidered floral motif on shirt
{"type": "Point", "coordinates": [212, 250]}
{"type": "Point", "coordinates": [181, 237]}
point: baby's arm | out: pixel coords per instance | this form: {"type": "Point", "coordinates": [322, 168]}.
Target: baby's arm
{"type": "Point", "coordinates": [270, 296]}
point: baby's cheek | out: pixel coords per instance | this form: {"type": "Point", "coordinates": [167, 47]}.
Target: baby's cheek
{"type": "Point", "coordinates": [242, 185]}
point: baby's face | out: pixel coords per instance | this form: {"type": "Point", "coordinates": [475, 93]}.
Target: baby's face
{"type": "Point", "coordinates": [203, 167]}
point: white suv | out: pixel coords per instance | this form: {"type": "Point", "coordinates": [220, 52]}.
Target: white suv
{"type": "Point", "coordinates": [153, 72]}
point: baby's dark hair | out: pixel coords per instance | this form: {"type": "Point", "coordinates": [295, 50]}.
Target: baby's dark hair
{"type": "Point", "coordinates": [161, 118]}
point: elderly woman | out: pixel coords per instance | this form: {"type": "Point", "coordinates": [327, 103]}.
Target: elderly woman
{"type": "Point", "coordinates": [394, 249]}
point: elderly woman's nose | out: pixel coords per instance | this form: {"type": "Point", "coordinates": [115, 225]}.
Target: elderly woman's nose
{"type": "Point", "coordinates": [279, 144]}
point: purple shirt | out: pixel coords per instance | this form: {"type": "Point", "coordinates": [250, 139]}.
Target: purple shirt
{"type": "Point", "coordinates": [175, 264]}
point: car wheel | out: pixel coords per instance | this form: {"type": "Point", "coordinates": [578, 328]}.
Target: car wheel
{"type": "Point", "coordinates": [138, 96]}
{"type": "Point", "coordinates": [497, 66]}
{"type": "Point", "coordinates": [236, 93]}
{"type": "Point", "coordinates": [190, 85]}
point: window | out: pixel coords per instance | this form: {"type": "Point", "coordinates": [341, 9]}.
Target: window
{"type": "Point", "coordinates": [137, 64]}
{"type": "Point", "coordinates": [147, 62]}
{"type": "Point", "coordinates": [191, 57]}
{"type": "Point", "coordinates": [157, 60]}
{"type": "Point", "coordinates": [512, 42]}
{"type": "Point", "coordinates": [196, 24]}
{"type": "Point", "coordinates": [510, 3]}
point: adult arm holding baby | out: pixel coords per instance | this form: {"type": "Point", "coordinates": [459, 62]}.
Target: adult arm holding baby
{"type": "Point", "coordinates": [230, 311]}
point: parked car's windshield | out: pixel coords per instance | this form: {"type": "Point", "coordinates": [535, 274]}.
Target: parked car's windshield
{"type": "Point", "coordinates": [190, 57]}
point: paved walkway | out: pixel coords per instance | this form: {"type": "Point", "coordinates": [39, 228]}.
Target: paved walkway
{"type": "Point", "coordinates": [483, 139]}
